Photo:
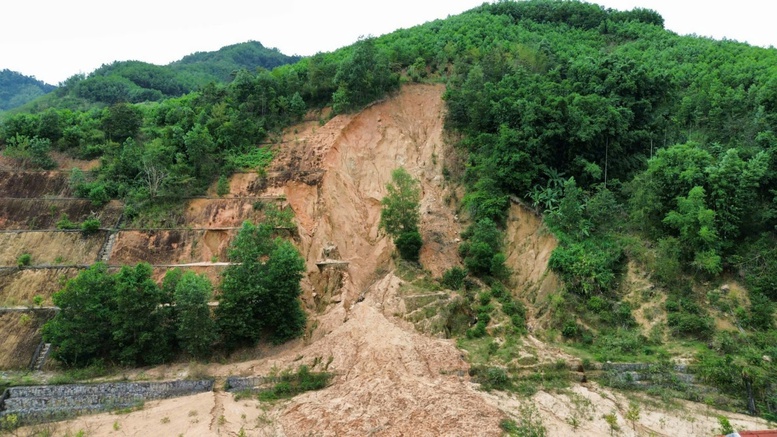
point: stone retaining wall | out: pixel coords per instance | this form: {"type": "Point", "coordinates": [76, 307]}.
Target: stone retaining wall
{"type": "Point", "coordinates": [34, 404]}
{"type": "Point", "coordinates": [237, 383]}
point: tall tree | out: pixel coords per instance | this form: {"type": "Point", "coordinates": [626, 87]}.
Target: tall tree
{"type": "Point", "coordinates": [400, 215]}
{"type": "Point", "coordinates": [140, 322]}
{"type": "Point", "coordinates": [195, 330]}
{"type": "Point", "coordinates": [81, 330]}
{"type": "Point", "coordinates": [260, 290]}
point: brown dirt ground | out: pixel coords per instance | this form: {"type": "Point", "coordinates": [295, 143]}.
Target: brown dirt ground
{"type": "Point", "coordinates": [32, 214]}
{"type": "Point", "coordinates": [32, 184]}
{"type": "Point", "coordinates": [72, 248]}
{"type": "Point", "coordinates": [220, 212]}
{"type": "Point", "coordinates": [64, 163]}
{"type": "Point", "coordinates": [171, 246]}
{"type": "Point", "coordinates": [529, 245]}
{"type": "Point", "coordinates": [19, 287]}
{"type": "Point", "coordinates": [248, 184]}
{"type": "Point", "coordinates": [21, 335]}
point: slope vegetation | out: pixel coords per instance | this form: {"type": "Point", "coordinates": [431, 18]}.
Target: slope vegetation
{"type": "Point", "coordinates": [389, 378]}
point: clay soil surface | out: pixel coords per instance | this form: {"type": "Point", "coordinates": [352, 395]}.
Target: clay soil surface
{"type": "Point", "coordinates": [19, 287]}
{"type": "Point", "coordinates": [21, 336]}
{"type": "Point", "coordinates": [171, 246]}
{"type": "Point", "coordinates": [50, 248]}
{"type": "Point", "coordinates": [221, 213]}
{"type": "Point", "coordinates": [32, 214]}
{"type": "Point", "coordinates": [30, 184]}
{"type": "Point", "coordinates": [389, 380]}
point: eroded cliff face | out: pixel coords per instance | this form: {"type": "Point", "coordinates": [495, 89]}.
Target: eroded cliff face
{"type": "Point", "coordinates": [338, 177]}
{"type": "Point", "coordinates": [390, 379]}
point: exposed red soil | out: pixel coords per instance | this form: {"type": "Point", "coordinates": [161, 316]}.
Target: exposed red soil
{"type": "Point", "coordinates": [171, 246]}
{"type": "Point", "coordinates": [205, 213]}
{"type": "Point", "coordinates": [249, 184]}
{"type": "Point", "coordinates": [32, 214]}
{"type": "Point", "coordinates": [31, 184]}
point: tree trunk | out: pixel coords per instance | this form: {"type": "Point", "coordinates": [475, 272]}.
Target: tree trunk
{"type": "Point", "coordinates": [750, 399]}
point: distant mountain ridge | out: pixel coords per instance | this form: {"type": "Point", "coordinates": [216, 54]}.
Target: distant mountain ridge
{"type": "Point", "coordinates": [222, 63]}
{"type": "Point", "coordinates": [16, 89]}
{"type": "Point", "coordinates": [138, 81]}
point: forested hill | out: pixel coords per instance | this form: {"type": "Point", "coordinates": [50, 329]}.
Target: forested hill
{"type": "Point", "coordinates": [220, 66]}
{"type": "Point", "coordinates": [17, 89]}
{"type": "Point", "coordinates": [639, 147]}
{"type": "Point", "coordinates": [137, 81]}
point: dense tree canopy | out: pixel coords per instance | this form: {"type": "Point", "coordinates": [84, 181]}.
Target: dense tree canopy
{"type": "Point", "coordinates": [260, 291]}
{"type": "Point", "coordinates": [17, 89]}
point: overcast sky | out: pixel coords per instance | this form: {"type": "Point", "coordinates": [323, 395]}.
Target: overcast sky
{"type": "Point", "coordinates": [55, 39]}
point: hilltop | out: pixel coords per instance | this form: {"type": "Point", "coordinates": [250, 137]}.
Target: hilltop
{"type": "Point", "coordinates": [17, 89]}
{"type": "Point", "coordinates": [137, 81]}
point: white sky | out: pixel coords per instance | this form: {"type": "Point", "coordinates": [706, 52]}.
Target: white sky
{"type": "Point", "coordinates": [54, 39]}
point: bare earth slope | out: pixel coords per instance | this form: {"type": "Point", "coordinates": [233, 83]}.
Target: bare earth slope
{"type": "Point", "coordinates": [389, 379]}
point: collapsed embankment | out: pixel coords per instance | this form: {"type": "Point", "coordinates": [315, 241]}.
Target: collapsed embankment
{"type": "Point", "coordinates": [175, 246]}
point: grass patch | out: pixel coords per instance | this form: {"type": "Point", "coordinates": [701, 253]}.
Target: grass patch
{"type": "Point", "coordinates": [160, 214]}
{"type": "Point", "coordinates": [75, 375]}
{"type": "Point", "coordinates": [289, 384]}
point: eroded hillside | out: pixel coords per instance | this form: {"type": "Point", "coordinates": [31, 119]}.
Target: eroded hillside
{"type": "Point", "coordinates": [390, 379]}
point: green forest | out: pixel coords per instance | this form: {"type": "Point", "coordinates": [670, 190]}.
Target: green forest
{"type": "Point", "coordinates": [17, 89]}
{"type": "Point", "coordinates": [635, 144]}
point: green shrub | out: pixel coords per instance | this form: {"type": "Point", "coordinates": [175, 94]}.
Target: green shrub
{"type": "Point", "coordinates": [691, 325]}
{"type": "Point", "coordinates": [98, 195]}
{"type": "Point", "coordinates": [725, 425]}
{"type": "Point", "coordinates": [570, 329]}
{"type": "Point", "coordinates": [399, 215]}
{"type": "Point", "coordinates": [598, 304]}
{"type": "Point", "coordinates": [24, 260]}
{"type": "Point", "coordinates": [290, 384]}
{"type": "Point", "coordinates": [686, 318]}
{"type": "Point", "coordinates": [620, 345]}
{"type": "Point", "coordinates": [491, 378]}
{"type": "Point", "coordinates": [529, 424]}
{"type": "Point", "coordinates": [90, 226]}
{"type": "Point", "coordinates": [589, 266]}
{"type": "Point", "coordinates": [222, 187]}
{"type": "Point", "coordinates": [453, 278]}
{"type": "Point", "coordinates": [481, 250]}
{"type": "Point", "coordinates": [257, 159]}
{"type": "Point", "coordinates": [65, 223]}
{"type": "Point", "coordinates": [409, 245]}
{"type": "Point", "coordinates": [30, 152]}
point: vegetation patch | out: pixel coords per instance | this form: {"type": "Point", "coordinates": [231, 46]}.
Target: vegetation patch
{"type": "Point", "coordinates": [289, 384]}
